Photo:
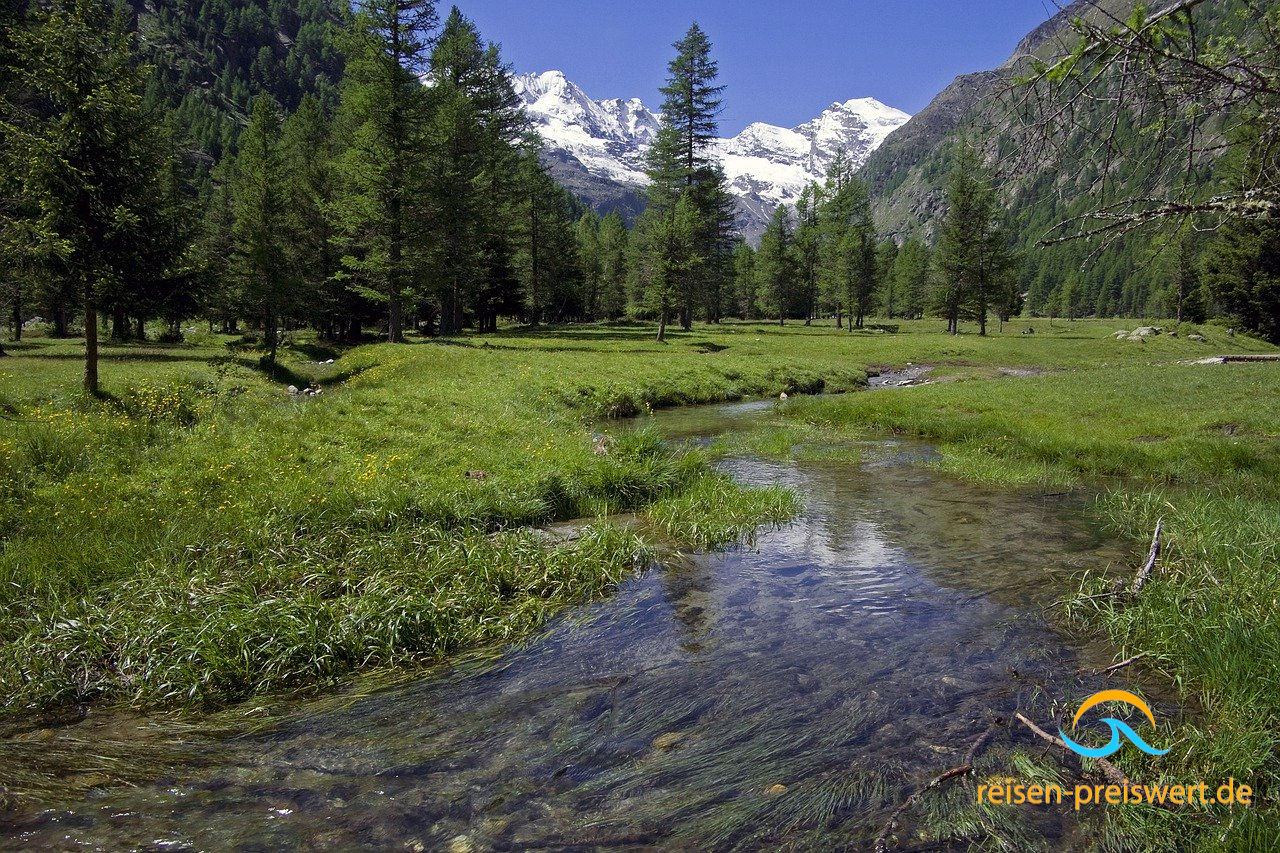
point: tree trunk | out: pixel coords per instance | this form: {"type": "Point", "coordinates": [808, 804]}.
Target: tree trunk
{"type": "Point", "coordinates": [17, 313]}
{"type": "Point", "coordinates": [271, 335]}
{"type": "Point", "coordinates": [142, 329]}
{"type": "Point", "coordinates": [840, 317]}
{"type": "Point", "coordinates": [662, 326]}
{"type": "Point", "coordinates": [90, 346]}
{"type": "Point", "coordinates": [119, 324]}
{"type": "Point", "coordinates": [60, 321]}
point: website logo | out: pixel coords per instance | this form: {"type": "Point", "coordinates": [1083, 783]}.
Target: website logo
{"type": "Point", "coordinates": [1118, 727]}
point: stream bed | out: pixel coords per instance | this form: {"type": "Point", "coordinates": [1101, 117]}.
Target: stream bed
{"type": "Point", "coordinates": [786, 694]}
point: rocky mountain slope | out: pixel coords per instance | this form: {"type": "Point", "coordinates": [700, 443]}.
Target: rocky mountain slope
{"type": "Point", "coordinates": [597, 148]}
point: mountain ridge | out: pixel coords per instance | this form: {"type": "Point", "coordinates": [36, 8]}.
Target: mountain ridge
{"type": "Point", "coordinates": [597, 147]}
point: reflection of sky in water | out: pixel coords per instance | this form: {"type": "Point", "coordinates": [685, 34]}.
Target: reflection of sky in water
{"type": "Point", "coordinates": [850, 653]}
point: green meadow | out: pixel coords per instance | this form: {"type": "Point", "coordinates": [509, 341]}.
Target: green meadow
{"type": "Point", "coordinates": [200, 536]}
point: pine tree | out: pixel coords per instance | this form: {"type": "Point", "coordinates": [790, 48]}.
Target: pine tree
{"type": "Point", "coordinates": [774, 270]}
{"type": "Point", "coordinates": [613, 247]}
{"type": "Point", "coordinates": [692, 101]}
{"type": "Point", "coordinates": [678, 165]}
{"type": "Point", "coordinates": [847, 277]}
{"type": "Point", "coordinates": [547, 260]}
{"type": "Point", "coordinates": [1241, 268]}
{"type": "Point", "coordinates": [678, 260]}
{"type": "Point", "coordinates": [311, 189]}
{"type": "Point", "coordinates": [807, 246]}
{"type": "Point", "coordinates": [472, 163]}
{"type": "Point", "coordinates": [260, 259]}
{"type": "Point", "coordinates": [972, 257]}
{"type": "Point", "coordinates": [744, 280]}
{"type": "Point", "coordinates": [381, 211]}
{"type": "Point", "coordinates": [587, 236]}
{"type": "Point", "coordinates": [93, 165]}
{"type": "Point", "coordinates": [911, 274]}
{"type": "Point", "coordinates": [886, 255]}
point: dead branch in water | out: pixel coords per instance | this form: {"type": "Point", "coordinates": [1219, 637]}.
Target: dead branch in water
{"type": "Point", "coordinates": [1113, 773]}
{"type": "Point", "coordinates": [959, 771]}
{"type": "Point", "coordinates": [1145, 572]}
{"type": "Point", "coordinates": [882, 840]}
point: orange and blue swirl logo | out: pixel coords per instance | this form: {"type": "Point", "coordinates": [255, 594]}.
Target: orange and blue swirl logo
{"type": "Point", "coordinates": [1118, 727]}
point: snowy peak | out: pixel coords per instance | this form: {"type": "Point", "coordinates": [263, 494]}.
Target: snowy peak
{"type": "Point", "coordinates": [608, 138]}
{"type": "Point", "coordinates": [766, 165]}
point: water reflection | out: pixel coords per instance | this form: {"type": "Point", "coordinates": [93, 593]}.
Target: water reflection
{"type": "Point", "coordinates": [781, 694]}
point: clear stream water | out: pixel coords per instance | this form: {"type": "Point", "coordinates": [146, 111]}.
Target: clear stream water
{"type": "Point", "coordinates": [786, 694]}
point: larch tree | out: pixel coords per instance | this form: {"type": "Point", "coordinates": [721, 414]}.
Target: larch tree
{"type": "Point", "coordinates": [775, 265]}
{"type": "Point", "coordinates": [311, 190]}
{"type": "Point", "coordinates": [587, 234]}
{"type": "Point", "coordinates": [262, 239]}
{"type": "Point", "coordinates": [93, 161]}
{"type": "Point", "coordinates": [744, 280]}
{"type": "Point", "coordinates": [612, 240]}
{"type": "Point", "coordinates": [472, 166]}
{"type": "Point", "coordinates": [383, 115]}
{"type": "Point", "coordinates": [807, 246]}
{"type": "Point", "coordinates": [972, 258]}
{"type": "Point", "coordinates": [679, 164]}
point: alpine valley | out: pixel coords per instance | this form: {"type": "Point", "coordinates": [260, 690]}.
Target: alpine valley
{"type": "Point", "coordinates": [597, 148]}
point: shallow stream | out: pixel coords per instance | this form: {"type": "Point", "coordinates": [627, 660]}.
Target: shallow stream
{"type": "Point", "coordinates": [786, 694]}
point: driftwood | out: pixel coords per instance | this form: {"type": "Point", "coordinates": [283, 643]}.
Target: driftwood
{"type": "Point", "coordinates": [957, 772]}
{"type": "Point", "coordinates": [1113, 773]}
{"type": "Point", "coordinates": [1110, 669]}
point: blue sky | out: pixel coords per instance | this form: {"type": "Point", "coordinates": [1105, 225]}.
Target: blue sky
{"type": "Point", "coordinates": [783, 62]}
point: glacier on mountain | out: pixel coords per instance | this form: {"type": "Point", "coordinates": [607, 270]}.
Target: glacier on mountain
{"type": "Point", "coordinates": [598, 147]}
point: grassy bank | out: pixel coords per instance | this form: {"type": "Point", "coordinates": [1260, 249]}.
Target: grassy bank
{"type": "Point", "coordinates": [1196, 445]}
{"type": "Point", "coordinates": [200, 536]}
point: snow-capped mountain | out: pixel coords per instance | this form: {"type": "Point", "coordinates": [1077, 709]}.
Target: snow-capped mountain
{"type": "Point", "coordinates": [597, 148]}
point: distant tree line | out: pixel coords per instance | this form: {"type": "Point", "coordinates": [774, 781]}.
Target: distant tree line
{"type": "Point", "coordinates": [370, 169]}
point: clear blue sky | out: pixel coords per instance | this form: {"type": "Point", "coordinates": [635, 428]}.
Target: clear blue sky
{"type": "Point", "coordinates": [782, 62]}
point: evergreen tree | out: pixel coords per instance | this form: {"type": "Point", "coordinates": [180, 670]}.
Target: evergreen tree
{"type": "Point", "coordinates": [679, 164]}
{"type": "Point", "coordinates": [1242, 270]}
{"type": "Point", "coordinates": [547, 259]}
{"type": "Point", "coordinates": [911, 278]}
{"type": "Point", "coordinates": [309, 197]}
{"type": "Point", "coordinates": [677, 261]}
{"type": "Point", "coordinates": [381, 211]}
{"type": "Point", "coordinates": [774, 265]}
{"type": "Point", "coordinates": [473, 162]}
{"type": "Point", "coordinates": [262, 240]}
{"type": "Point", "coordinates": [692, 101]}
{"type": "Point", "coordinates": [92, 162]}
{"type": "Point", "coordinates": [612, 241]}
{"type": "Point", "coordinates": [886, 283]}
{"type": "Point", "coordinates": [847, 276]}
{"type": "Point", "coordinates": [972, 257]}
{"type": "Point", "coordinates": [590, 263]}
{"type": "Point", "coordinates": [744, 280]}
{"type": "Point", "coordinates": [807, 246]}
